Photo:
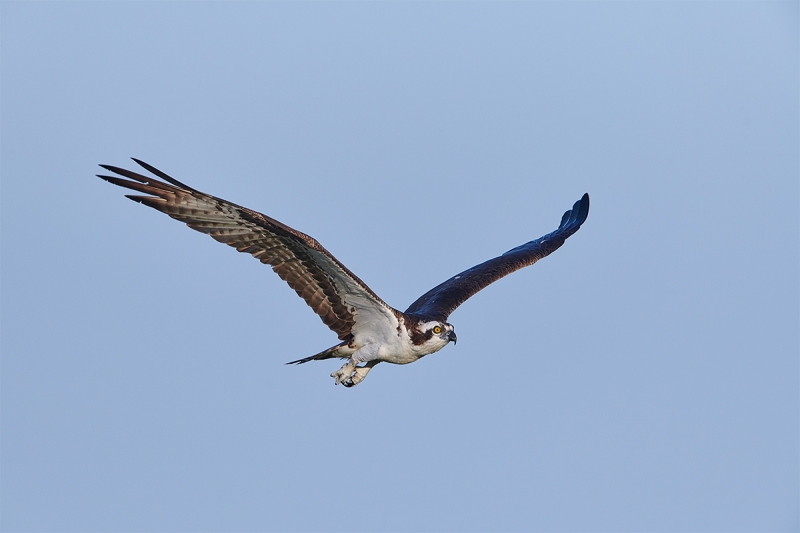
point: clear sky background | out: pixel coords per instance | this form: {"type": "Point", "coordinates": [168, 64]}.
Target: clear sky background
{"type": "Point", "coordinates": [642, 378]}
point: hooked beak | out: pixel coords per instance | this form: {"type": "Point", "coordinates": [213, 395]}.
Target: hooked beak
{"type": "Point", "coordinates": [452, 337]}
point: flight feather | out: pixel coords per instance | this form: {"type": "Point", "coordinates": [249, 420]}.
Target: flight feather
{"type": "Point", "coordinates": [443, 299]}
{"type": "Point", "coordinates": [337, 295]}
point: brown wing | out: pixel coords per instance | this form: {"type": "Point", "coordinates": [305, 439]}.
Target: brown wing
{"type": "Point", "coordinates": [443, 299]}
{"type": "Point", "coordinates": [328, 287]}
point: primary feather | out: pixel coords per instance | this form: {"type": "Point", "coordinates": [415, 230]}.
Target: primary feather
{"type": "Point", "coordinates": [371, 331]}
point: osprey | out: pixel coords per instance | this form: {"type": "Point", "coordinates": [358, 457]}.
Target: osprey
{"type": "Point", "coordinates": [369, 329]}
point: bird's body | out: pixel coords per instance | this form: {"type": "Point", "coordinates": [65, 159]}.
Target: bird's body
{"type": "Point", "coordinates": [371, 331]}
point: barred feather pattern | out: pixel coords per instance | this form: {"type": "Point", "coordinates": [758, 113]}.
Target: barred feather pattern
{"type": "Point", "coordinates": [334, 293]}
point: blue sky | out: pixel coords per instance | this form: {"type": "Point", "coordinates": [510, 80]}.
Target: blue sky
{"type": "Point", "coordinates": [643, 377]}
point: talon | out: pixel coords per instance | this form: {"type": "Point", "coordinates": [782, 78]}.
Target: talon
{"type": "Point", "coordinates": [343, 374]}
{"type": "Point", "coordinates": [351, 375]}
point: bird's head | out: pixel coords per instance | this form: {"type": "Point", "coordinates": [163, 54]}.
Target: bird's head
{"type": "Point", "coordinates": [433, 335]}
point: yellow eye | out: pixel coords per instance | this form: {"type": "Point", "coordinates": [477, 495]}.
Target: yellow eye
{"type": "Point", "coordinates": [437, 329]}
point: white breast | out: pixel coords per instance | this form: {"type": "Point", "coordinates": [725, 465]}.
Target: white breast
{"type": "Point", "coordinates": [391, 345]}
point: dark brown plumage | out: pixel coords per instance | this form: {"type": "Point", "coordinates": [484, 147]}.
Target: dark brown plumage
{"type": "Point", "coordinates": [371, 330]}
{"type": "Point", "coordinates": [297, 258]}
{"type": "Point", "coordinates": [443, 299]}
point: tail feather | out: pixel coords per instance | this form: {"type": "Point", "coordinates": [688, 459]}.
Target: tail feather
{"type": "Point", "coordinates": [341, 350]}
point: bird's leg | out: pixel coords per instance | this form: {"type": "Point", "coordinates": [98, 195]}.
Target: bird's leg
{"type": "Point", "coordinates": [359, 374]}
{"type": "Point", "coordinates": [344, 373]}
{"type": "Point", "coordinates": [350, 374]}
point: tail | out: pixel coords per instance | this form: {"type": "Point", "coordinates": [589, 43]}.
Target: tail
{"type": "Point", "coordinates": [341, 350]}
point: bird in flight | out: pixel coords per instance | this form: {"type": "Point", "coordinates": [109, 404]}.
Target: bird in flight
{"type": "Point", "coordinates": [370, 330]}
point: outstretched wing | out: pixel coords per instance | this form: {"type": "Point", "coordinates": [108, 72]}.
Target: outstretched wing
{"type": "Point", "coordinates": [340, 299]}
{"type": "Point", "coordinates": [443, 299]}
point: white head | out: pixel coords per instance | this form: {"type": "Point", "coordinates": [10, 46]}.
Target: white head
{"type": "Point", "coordinates": [432, 336]}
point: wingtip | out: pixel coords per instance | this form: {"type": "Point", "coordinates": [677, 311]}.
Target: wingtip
{"type": "Point", "coordinates": [582, 207]}
{"type": "Point", "coordinates": [163, 175]}
{"type": "Point", "coordinates": [581, 210]}
{"type": "Point", "coordinates": [577, 215]}
{"type": "Point", "coordinates": [143, 164]}
{"type": "Point", "coordinates": [112, 168]}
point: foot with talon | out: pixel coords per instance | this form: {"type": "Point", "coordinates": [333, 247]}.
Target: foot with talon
{"type": "Point", "coordinates": [351, 375]}
{"type": "Point", "coordinates": [358, 376]}
{"type": "Point", "coordinates": [344, 373]}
